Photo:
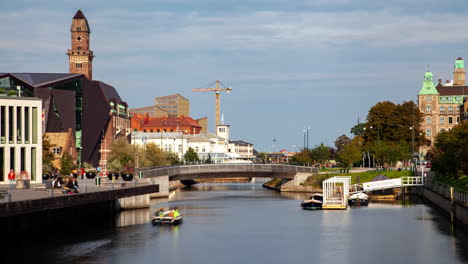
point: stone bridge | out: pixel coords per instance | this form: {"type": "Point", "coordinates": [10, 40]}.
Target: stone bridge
{"type": "Point", "coordinates": [162, 175]}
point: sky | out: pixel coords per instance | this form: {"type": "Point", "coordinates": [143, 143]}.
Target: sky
{"type": "Point", "coordinates": [292, 64]}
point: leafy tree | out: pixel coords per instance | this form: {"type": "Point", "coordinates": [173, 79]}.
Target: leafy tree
{"type": "Point", "coordinates": [350, 154]}
{"type": "Point", "coordinates": [358, 129]}
{"type": "Point", "coordinates": [302, 157]}
{"type": "Point", "coordinates": [191, 155]}
{"type": "Point", "coordinates": [341, 141]}
{"type": "Point", "coordinates": [386, 152]}
{"type": "Point", "coordinates": [66, 164]}
{"type": "Point", "coordinates": [333, 152]}
{"type": "Point", "coordinates": [172, 158]}
{"type": "Point", "coordinates": [122, 152]}
{"type": "Point", "coordinates": [320, 153]}
{"type": "Point", "coordinates": [155, 156]}
{"type": "Point", "coordinates": [450, 152]}
{"type": "Point", "coordinates": [47, 155]}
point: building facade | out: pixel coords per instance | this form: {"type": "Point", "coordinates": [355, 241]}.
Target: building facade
{"type": "Point", "coordinates": [440, 104]}
{"type": "Point", "coordinates": [174, 105]}
{"type": "Point", "coordinates": [144, 123]}
{"type": "Point", "coordinates": [61, 143]}
{"type": "Point", "coordinates": [21, 137]}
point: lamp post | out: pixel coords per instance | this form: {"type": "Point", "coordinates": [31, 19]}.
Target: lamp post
{"type": "Point", "coordinates": [304, 139]}
{"type": "Point", "coordinates": [308, 128]}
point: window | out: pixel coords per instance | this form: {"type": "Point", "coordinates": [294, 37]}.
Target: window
{"type": "Point", "coordinates": [180, 148]}
{"type": "Point", "coordinates": [428, 98]}
{"type": "Point", "coordinates": [450, 108]}
{"type": "Point", "coordinates": [442, 108]}
{"type": "Point", "coordinates": [457, 98]}
{"type": "Point", "coordinates": [172, 130]}
{"type": "Point", "coordinates": [442, 98]}
{"type": "Point", "coordinates": [57, 151]}
{"type": "Point", "coordinates": [164, 130]}
{"type": "Point", "coordinates": [428, 108]}
{"type": "Point", "coordinates": [428, 132]}
{"type": "Point", "coordinates": [144, 130]}
{"type": "Point", "coordinates": [79, 65]}
{"type": "Point", "coordinates": [442, 130]}
{"type": "Point", "coordinates": [458, 119]}
{"type": "Point", "coordinates": [158, 130]}
{"type": "Point", "coordinates": [428, 120]}
{"type": "Point", "coordinates": [442, 120]}
{"type": "Point", "coordinates": [78, 28]}
{"type": "Point", "coordinates": [450, 120]}
{"type": "Point", "coordinates": [151, 130]}
{"type": "Point", "coordinates": [78, 47]}
{"type": "Point", "coordinates": [196, 149]}
{"type": "Point", "coordinates": [450, 98]}
{"type": "Point", "coordinates": [78, 38]}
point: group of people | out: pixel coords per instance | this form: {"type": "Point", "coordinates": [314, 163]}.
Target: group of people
{"type": "Point", "coordinates": [170, 213]}
{"type": "Point", "coordinates": [12, 177]}
{"type": "Point", "coordinates": [69, 186]}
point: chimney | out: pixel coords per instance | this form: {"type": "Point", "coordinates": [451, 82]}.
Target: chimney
{"type": "Point", "coordinates": [440, 81]}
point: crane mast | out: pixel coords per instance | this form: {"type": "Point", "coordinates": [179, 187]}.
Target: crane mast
{"type": "Point", "coordinates": [217, 91]}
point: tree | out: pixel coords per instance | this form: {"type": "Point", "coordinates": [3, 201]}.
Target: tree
{"type": "Point", "coordinates": [450, 152]}
{"type": "Point", "coordinates": [358, 129]}
{"type": "Point", "coordinates": [122, 152]}
{"type": "Point", "coordinates": [320, 153]}
{"type": "Point", "coordinates": [155, 156]}
{"type": "Point", "coordinates": [341, 141]}
{"type": "Point", "coordinates": [191, 155]}
{"type": "Point", "coordinates": [47, 155]}
{"type": "Point", "coordinates": [302, 157]}
{"type": "Point", "coordinates": [172, 158]}
{"type": "Point", "coordinates": [66, 164]}
{"type": "Point", "coordinates": [350, 154]}
{"type": "Point", "coordinates": [386, 152]}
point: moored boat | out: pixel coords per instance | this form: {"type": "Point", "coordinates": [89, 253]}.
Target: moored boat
{"type": "Point", "coordinates": [358, 199]}
{"type": "Point", "coordinates": [311, 204]}
{"type": "Point", "coordinates": [167, 220]}
{"type": "Point", "coordinates": [317, 196]}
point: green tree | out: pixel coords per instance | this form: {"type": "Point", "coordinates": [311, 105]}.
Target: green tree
{"type": "Point", "coordinates": [122, 152]}
{"type": "Point", "coordinates": [155, 156]}
{"type": "Point", "coordinates": [387, 152]}
{"type": "Point", "coordinates": [172, 158]}
{"type": "Point", "coordinates": [191, 155]}
{"type": "Point", "coordinates": [66, 164]}
{"type": "Point", "coordinates": [320, 153]}
{"type": "Point", "coordinates": [47, 155]}
{"type": "Point", "coordinates": [302, 157]}
{"type": "Point", "coordinates": [341, 141]}
{"type": "Point", "coordinates": [358, 129]}
{"type": "Point", "coordinates": [350, 154]}
{"type": "Point", "coordinates": [450, 153]}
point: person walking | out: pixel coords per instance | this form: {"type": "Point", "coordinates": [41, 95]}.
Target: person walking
{"type": "Point", "coordinates": [11, 178]}
{"type": "Point", "coordinates": [82, 172]}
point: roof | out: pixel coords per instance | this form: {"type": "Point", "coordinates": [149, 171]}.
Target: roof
{"type": "Point", "coordinates": [41, 79]}
{"type": "Point", "coordinates": [166, 121]}
{"type": "Point", "coordinates": [177, 94]}
{"type": "Point", "coordinates": [241, 143]}
{"type": "Point", "coordinates": [79, 15]}
{"type": "Point", "coordinates": [459, 58]}
{"type": "Point", "coordinates": [428, 86]}
{"type": "Point", "coordinates": [109, 92]}
{"type": "Point", "coordinates": [452, 90]}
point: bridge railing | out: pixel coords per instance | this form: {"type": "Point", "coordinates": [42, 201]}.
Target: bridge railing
{"type": "Point", "coordinates": [461, 196]}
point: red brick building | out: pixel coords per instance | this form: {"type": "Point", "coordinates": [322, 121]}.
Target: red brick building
{"type": "Point", "coordinates": [145, 123]}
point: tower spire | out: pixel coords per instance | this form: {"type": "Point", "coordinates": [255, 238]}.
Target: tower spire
{"type": "Point", "coordinates": [80, 56]}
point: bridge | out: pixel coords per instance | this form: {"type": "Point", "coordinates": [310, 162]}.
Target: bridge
{"type": "Point", "coordinates": [163, 175]}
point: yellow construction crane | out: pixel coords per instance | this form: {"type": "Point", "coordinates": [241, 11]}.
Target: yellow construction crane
{"type": "Point", "coordinates": [217, 89]}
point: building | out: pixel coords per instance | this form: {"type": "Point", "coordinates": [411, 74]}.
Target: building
{"type": "Point", "coordinates": [61, 143]}
{"type": "Point", "coordinates": [440, 104]}
{"type": "Point", "coordinates": [20, 137]}
{"type": "Point", "coordinates": [244, 149]}
{"type": "Point", "coordinates": [92, 109]}
{"type": "Point", "coordinates": [464, 110]}
{"type": "Point", "coordinates": [144, 123]}
{"type": "Point", "coordinates": [174, 105]}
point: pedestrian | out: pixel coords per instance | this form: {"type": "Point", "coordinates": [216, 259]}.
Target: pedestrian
{"type": "Point", "coordinates": [11, 178]}
{"type": "Point", "coordinates": [24, 175]}
{"type": "Point", "coordinates": [82, 172]}
{"type": "Point", "coordinates": [76, 188]}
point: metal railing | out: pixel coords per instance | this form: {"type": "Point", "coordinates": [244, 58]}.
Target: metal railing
{"type": "Point", "coordinates": [411, 181]}
{"type": "Point", "coordinates": [459, 195]}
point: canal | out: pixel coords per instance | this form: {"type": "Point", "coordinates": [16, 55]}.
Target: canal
{"type": "Point", "coordinates": [244, 223]}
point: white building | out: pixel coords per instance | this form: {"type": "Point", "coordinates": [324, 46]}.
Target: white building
{"type": "Point", "coordinates": [208, 146]}
{"type": "Point", "coordinates": [21, 137]}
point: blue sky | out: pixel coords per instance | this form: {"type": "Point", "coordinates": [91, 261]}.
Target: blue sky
{"type": "Point", "coordinates": [291, 64]}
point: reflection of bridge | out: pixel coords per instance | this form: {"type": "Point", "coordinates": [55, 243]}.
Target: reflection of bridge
{"type": "Point", "coordinates": [226, 170]}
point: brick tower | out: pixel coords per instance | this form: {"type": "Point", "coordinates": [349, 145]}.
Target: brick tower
{"type": "Point", "coordinates": [459, 74]}
{"type": "Point", "coordinates": [79, 56]}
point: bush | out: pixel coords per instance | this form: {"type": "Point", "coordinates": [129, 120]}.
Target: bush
{"type": "Point", "coordinates": [12, 93]}
{"type": "Point", "coordinates": [2, 90]}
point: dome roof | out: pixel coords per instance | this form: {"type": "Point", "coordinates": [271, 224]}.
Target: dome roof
{"type": "Point", "coordinates": [459, 58]}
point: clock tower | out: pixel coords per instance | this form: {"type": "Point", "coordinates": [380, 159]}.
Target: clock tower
{"type": "Point", "coordinates": [79, 56]}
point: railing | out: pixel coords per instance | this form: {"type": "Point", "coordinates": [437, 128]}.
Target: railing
{"type": "Point", "coordinates": [460, 196]}
{"type": "Point", "coordinates": [411, 181]}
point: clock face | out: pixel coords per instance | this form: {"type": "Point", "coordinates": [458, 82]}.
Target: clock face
{"type": "Point", "coordinates": [78, 38]}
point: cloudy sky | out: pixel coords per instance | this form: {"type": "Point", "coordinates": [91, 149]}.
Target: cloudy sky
{"type": "Point", "coordinates": [292, 64]}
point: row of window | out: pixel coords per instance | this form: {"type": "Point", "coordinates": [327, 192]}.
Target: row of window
{"type": "Point", "coordinates": [429, 131]}
{"type": "Point", "coordinates": [165, 130]}
{"type": "Point", "coordinates": [442, 108]}
{"type": "Point", "coordinates": [442, 120]}
{"type": "Point", "coordinates": [450, 98]}
{"type": "Point", "coordinates": [15, 126]}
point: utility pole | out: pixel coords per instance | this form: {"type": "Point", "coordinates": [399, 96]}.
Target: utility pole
{"type": "Point", "coordinates": [304, 139]}
{"type": "Point", "coordinates": [308, 128]}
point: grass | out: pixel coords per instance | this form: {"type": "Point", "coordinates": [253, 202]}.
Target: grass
{"type": "Point", "coordinates": [367, 176]}
{"type": "Point", "coordinates": [330, 169]}
{"type": "Point", "coordinates": [461, 182]}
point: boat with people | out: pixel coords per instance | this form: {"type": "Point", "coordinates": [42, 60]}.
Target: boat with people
{"type": "Point", "coordinates": [171, 217]}
{"type": "Point", "coordinates": [359, 198]}
{"type": "Point", "coordinates": [314, 203]}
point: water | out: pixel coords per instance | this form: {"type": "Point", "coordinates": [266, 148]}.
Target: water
{"type": "Point", "coordinates": [244, 223]}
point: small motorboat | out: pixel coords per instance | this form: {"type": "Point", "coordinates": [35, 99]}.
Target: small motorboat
{"type": "Point", "coordinates": [167, 220]}
{"type": "Point", "coordinates": [311, 204]}
{"type": "Point", "coordinates": [358, 199]}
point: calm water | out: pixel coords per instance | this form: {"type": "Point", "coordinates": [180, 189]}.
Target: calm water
{"type": "Point", "coordinates": [244, 223]}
